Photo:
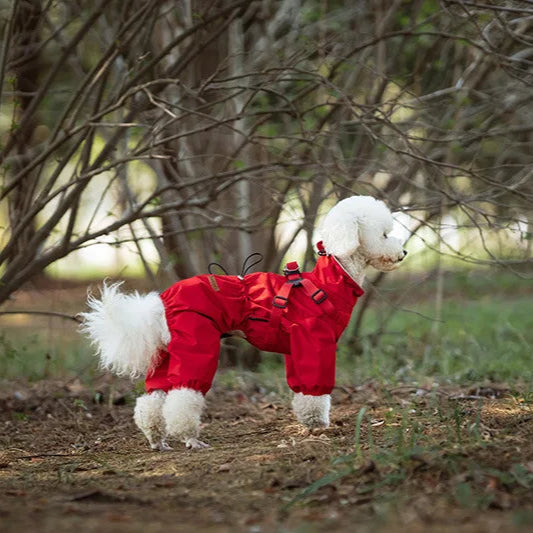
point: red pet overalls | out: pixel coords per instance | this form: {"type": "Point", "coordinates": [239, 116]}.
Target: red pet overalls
{"type": "Point", "coordinates": [303, 326]}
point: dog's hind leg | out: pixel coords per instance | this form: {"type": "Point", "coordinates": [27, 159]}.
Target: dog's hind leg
{"type": "Point", "coordinates": [148, 416]}
{"type": "Point", "coordinates": [181, 411]}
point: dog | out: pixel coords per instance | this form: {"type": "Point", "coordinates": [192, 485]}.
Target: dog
{"type": "Point", "coordinates": [173, 338]}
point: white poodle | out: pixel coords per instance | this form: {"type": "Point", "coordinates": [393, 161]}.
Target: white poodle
{"type": "Point", "coordinates": [173, 338]}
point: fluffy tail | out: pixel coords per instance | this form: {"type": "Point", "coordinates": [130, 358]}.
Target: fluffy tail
{"type": "Point", "coordinates": [127, 329]}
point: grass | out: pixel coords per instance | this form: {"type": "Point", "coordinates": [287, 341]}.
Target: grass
{"type": "Point", "coordinates": [40, 356]}
{"type": "Point", "coordinates": [489, 339]}
{"type": "Point", "coordinates": [432, 446]}
{"type": "Point", "coordinates": [485, 332]}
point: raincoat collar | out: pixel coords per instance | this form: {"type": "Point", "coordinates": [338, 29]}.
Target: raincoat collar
{"type": "Point", "coordinates": [329, 272]}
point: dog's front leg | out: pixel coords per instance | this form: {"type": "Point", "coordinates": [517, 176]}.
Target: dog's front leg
{"type": "Point", "coordinates": [312, 411]}
{"type": "Point", "coordinates": [182, 411]}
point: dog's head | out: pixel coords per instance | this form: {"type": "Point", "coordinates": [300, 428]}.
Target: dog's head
{"type": "Point", "coordinates": [360, 225]}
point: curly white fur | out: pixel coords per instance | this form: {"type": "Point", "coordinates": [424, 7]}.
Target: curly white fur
{"type": "Point", "coordinates": [148, 415]}
{"type": "Point", "coordinates": [340, 229]}
{"type": "Point", "coordinates": [312, 411]}
{"type": "Point", "coordinates": [356, 231]}
{"type": "Point", "coordinates": [182, 411]}
{"type": "Point", "coordinates": [127, 329]}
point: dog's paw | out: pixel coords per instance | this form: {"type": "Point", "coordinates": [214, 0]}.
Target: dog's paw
{"type": "Point", "coordinates": [312, 411]}
{"type": "Point", "coordinates": [162, 446]}
{"type": "Point", "coordinates": [316, 425]}
{"type": "Point", "coordinates": [195, 444]}
{"type": "Point", "coordinates": [305, 432]}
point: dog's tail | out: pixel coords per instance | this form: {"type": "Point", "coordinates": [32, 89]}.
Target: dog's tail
{"type": "Point", "coordinates": [127, 329]}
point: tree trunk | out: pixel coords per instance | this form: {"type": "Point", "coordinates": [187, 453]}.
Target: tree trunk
{"type": "Point", "coordinates": [25, 40]}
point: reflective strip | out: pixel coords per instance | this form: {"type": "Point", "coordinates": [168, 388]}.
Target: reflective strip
{"type": "Point", "coordinates": [213, 282]}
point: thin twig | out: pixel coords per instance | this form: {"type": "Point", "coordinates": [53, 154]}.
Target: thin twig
{"type": "Point", "coordinates": [45, 313]}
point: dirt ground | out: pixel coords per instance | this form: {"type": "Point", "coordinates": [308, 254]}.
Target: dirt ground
{"type": "Point", "coordinates": [71, 458]}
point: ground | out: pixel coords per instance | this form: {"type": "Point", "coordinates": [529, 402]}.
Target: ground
{"type": "Point", "coordinates": [401, 458]}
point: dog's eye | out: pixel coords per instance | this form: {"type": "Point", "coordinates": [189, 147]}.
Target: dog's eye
{"type": "Point", "coordinates": [385, 235]}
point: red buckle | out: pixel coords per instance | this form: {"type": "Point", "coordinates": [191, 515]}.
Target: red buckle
{"type": "Point", "coordinates": [291, 268]}
{"type": "Point", "coordinates": [320, 248]}
{"type": "Point", "coordinates": [319, 299]}
{"type": "Point", "coordinates": [281, 305]}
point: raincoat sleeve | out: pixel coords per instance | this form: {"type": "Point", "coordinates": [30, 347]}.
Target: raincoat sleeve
{"type": "Point", "coordinates": [310, 367]}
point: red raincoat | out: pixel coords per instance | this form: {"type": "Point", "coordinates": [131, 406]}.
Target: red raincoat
{"type": "Point", "coordinates": [200, 309]}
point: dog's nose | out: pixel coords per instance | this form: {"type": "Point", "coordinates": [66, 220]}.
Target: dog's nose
{"type": "Point", "coordinates": [404, 254]}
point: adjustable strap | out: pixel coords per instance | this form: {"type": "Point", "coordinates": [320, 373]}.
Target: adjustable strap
{"type": "Point", "coordinates": [279, 304]}
{"type": "Point", "coordinates": [280, 301]}
{"type": "Point", "coordinates": [318, 296]}
{"type": "Point", "coordinates": [294, 279]}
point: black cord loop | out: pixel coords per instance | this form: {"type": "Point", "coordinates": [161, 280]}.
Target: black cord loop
{"type": "Point", "coordinates": [217, 265]}
{"type": "Point", "coordinates": [246, 267]}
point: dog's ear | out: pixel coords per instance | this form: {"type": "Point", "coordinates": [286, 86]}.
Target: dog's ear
{"type": "Point", "coordinates": [340, 230]}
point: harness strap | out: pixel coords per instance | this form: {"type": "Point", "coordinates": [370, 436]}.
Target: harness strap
{"type": "Point", "coordinates": [279, 304]}
{"type": "Point", "coordinates": [294, 279]}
